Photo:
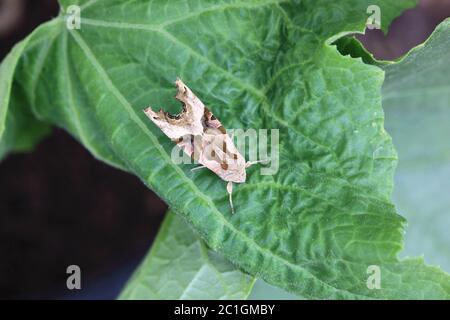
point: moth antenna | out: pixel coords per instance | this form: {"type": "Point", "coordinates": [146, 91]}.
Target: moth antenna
{"type": "Point", "coordinates": [196, 168]}
{"type": "Point", "coordinates": [250, 163]}
{"type": "Point", "coordinates": [230, 193]}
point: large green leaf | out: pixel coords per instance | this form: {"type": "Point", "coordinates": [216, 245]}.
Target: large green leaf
{"type": "Point", "coordinates": [315, 226]}
{"type": "Point", "coordinates": [19, 130]}
{"type": "Point", "coordinates": [180, 266]}
{"type": "Point", "coordinates": [416, 99]}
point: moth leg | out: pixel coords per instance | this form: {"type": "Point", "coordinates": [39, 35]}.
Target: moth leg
{"type": "Point", "coordinates": [230, 193]}
{"type": "Point", "coordinates": [250, 163]}
{"type": "Point", "coordinates": [196, 168]}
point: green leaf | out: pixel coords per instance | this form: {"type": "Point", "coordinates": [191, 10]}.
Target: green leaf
{"type": "Point", "coordinates": [314, 227]}
{"type": "Point", "coordinates": [19, 129]}
{"type": "Point", "coordinates": [416, 99]}
{"type": "Point", "coordinates": [264, 291]}
{"type": "Point", "coordinates": [349, 45]}
{"type": "Point", "coordinates": [180, 266]}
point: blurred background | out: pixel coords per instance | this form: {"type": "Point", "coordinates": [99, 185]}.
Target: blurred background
{"type": "Point", "coordinates": [59, 206]}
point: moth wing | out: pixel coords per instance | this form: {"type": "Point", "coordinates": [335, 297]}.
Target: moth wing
{"type": "Point", "coordinates": [188, 122]}
{"type": "Point", "coordinates": [221, 156]}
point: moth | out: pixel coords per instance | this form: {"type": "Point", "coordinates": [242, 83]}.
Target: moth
{"type": "Point", "coordinates": [202, 137]}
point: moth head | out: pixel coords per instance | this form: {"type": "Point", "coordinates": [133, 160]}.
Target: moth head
{"type": "Point", "coordinates": [173, 126]}
{"type": "Point", "coordinates": [156, 117]}
{"type": "Point", "coordinates": [163, 116]}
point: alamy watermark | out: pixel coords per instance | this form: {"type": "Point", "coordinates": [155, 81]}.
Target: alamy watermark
{"type": "Point", "coordinates": [374, 20]}
{"type": "Point", "coordinates": [73, 17]}
{"type": "Point", "coordinates": [374, 279]}
{"type": "Point", "coordinates": [74, 279]}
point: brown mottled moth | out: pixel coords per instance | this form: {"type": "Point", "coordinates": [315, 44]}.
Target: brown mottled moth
{"type": "Point", "coordinates": [201, 136]}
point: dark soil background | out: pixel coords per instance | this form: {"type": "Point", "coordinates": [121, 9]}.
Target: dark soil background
{"type": "Point", "coordinates": [59, 206]}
